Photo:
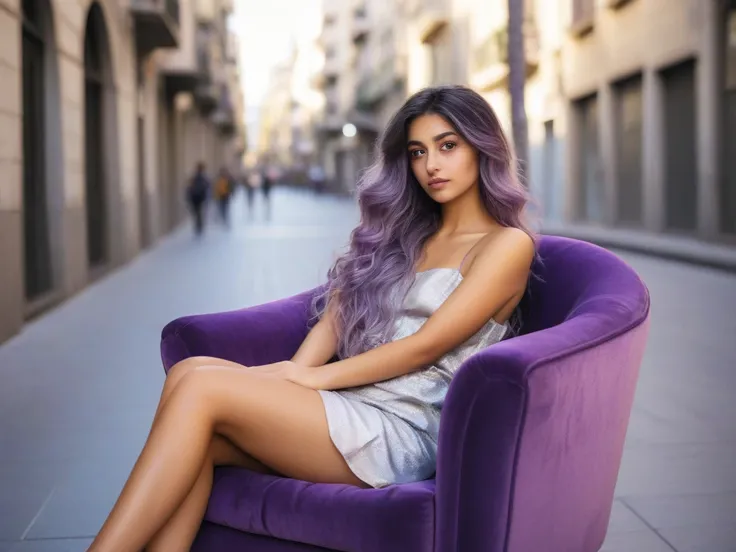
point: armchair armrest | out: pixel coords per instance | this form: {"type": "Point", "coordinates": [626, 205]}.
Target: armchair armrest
{"type": "Point", "coordinates": [253, 336]}
{"type": "Point", "coordinates": [532, 436]}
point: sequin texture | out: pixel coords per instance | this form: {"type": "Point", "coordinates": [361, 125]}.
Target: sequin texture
{"type": "Point", "coordinates": [387, 431]}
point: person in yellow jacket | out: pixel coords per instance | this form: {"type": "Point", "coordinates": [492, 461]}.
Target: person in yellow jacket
{"type": "Point", "coordinates": [223, 190]}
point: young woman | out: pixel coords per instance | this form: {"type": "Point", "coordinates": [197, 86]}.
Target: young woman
{"type": "Point", "coordinates": [434, 273]}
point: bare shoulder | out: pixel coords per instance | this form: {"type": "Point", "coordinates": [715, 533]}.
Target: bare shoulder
{"type": "Point", "coordinates": [495, 281]}
{"type": "Point", "coordinates": [509, 247]}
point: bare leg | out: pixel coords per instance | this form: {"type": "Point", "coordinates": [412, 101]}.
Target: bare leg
{"type": "Point", "coordinates": [180, 531]}
{"type": "Point", "coordinates": [248, 409]}
{"type": "Point", "coordinates": [233, 456]}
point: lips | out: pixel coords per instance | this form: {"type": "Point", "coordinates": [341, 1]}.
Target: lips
{"type": "Point", "coordinates": [437, 183]}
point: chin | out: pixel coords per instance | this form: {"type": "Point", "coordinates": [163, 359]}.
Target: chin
{"type": "Point", "coordinates": [441, 196]}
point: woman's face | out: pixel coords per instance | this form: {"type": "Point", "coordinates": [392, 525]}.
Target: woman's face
{"type": "Point", "coordinates": [445, 165]}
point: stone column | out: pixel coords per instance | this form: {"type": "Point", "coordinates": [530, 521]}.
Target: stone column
{"type": "Point", "coordinates": [708, 111]}
{"type": "Point", "coordinates": [607, 121]}
{"type": "Point", "coordinates": [573, 180]}
{"type": "Point", "coordinates": [653, 155]}
{"type": "Point", "coordinates": [11, 186]}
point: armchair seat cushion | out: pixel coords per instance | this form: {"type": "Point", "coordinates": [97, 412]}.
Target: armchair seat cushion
{"type": "Point", "coordinates": [335, 517]}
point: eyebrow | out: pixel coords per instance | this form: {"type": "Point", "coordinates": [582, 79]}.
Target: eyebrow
{"type": "Point", "coordinates": [436, 138]}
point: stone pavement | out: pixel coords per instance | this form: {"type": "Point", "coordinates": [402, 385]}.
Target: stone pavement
{"type": "Point", "coordinates": [78, 387]}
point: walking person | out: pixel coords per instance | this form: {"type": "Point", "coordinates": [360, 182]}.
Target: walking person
{"type": "Point", "coordinates": [267, 181]}
{"type": "Point", "coordinates": [251, 182]}
{"type": "Point", "coordinates": [434, 273]}
{"type": "Point", "coordinates": [317, 178]}
{"type": "Point", "coordinates": [197, 194]}
{"type": "Point", "coordinates": [223, 191]}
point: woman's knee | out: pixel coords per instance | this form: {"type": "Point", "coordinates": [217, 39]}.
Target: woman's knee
{"type": "Point", "coordinates": [184, 367]}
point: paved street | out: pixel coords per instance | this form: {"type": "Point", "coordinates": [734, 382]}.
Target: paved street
{"type": "Point", "coordinates": [79, 386]}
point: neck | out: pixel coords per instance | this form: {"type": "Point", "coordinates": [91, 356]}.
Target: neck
{"type": "Point", "coordinates": [466, 214]}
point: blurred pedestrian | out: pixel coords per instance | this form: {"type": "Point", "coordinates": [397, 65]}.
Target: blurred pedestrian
{"type": "Point", "coordinates": [252, 182]}
{"type": "Point", "coordinates": [197, 194]}
{"type": "Point", "coordinates": [223, 192]}
{"type": "Point", "coordinates": [267, 181]}
{"type": "Point", "coordinates": [317, 178]}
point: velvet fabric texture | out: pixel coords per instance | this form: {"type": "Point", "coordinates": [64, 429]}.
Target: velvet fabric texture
{"type": "Point", "coordinates": [531, 436]}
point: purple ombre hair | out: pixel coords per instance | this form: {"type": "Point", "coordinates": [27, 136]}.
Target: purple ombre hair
{"type": "Point", "coordinates": [367, 284]}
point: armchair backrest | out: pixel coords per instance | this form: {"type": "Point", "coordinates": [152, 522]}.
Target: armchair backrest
{"type": "Point", "coordinates": [572, 278]}
{"type": "Point", "coordinates": [533, 427]}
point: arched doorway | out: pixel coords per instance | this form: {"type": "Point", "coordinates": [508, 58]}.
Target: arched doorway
{"type": "Point", "coordinates": [97, 81]}
{"type": "Point", "coordinates": [38, 53]}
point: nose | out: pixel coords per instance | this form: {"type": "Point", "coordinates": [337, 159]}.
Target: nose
{"type": "Point", "coordinates": [432, 163]}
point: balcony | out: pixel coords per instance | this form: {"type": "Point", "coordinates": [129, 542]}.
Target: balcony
{"type": "Point", "coordinates": [179, 67]}
{"type": "Point", "coordinates": [180, 74]}
{"type": "Point", "coordinates": [223, 116]}
{"type": "Point", "coordinates": [490, 59]}
{"type": "Point", "coordinates": [156, 24]}
{"type": "Point", "coordinates": [378, 84]}
{"type": "Point", "coordinates": [432, 17]}
{"type": "Point", "coordinates": [207, 97]}
{"type": "Point", "coordinates": [361, 25]}
{"type": "Point", "coordinates": [583, 17]}
{"type": "Point", "coordinates": [209, 70]}
{"type": "Point", "coordinates": [224, 120]}
{"type": "Point", "coordinates": [331, 125]}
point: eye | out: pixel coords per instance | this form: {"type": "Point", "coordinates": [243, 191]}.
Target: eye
{"type": "Point", "coordinates": [415, 153]}
{"type": "Point", "coordinates": [449, 146]}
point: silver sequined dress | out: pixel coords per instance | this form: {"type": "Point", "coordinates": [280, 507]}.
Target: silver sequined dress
{"type": "Point", "coordinates": [387, 431]}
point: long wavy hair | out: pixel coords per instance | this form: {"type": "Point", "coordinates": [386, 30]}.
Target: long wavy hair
{"type": "Point", "coordinates": [366, 285]}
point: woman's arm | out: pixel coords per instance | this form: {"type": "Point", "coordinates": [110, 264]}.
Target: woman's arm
{"type": "Point", "coordinates": [498, 275]}
{"type": "Point", "coordinates": [320, 345]}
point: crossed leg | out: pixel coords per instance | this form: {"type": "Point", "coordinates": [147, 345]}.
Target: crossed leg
{"type": "Point", "coordinates": [180, 530]}
{"type": "Point", "coordinates": [266, 417]}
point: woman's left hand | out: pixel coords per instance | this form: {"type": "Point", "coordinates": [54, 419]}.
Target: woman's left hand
{"type": "Point", "coordinates": [306, 376]}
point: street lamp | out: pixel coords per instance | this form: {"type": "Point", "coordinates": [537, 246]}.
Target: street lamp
{"type": "Point", "coordinates": [349, 130]}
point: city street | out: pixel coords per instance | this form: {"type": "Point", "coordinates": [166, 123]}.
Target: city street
{"type": "Point", "coordinates": [79, 385]}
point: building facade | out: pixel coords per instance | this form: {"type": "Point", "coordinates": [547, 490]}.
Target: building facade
{"type": "Point", "coordinates": [629, 103]}
{"type": "Point", "coordinates": [649, 86]}
{"type": "Point", "coordinates": [105, 107]}
{"type": "Point", "coordinates": [363, 81]}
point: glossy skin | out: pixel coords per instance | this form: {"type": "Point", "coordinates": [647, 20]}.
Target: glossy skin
{"type": "Point", "coordinates": [444, 164]}
{"type": "Point", "coordinates": [215, 412]}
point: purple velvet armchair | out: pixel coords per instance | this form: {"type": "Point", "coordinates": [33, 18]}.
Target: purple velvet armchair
{"type": "Point", "coordinates": [531, 437]}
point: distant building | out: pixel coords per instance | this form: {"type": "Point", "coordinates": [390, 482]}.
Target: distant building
{"type": "Point", "coordinates": [363, 81]}
{"type": "Point", "coordinates": [104, 110]}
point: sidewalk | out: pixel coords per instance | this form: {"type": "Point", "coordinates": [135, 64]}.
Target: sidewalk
{"type": "Point", "coordinates": [684, 249]}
